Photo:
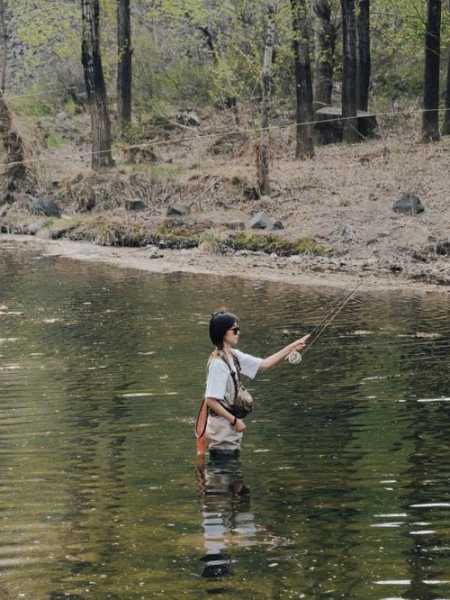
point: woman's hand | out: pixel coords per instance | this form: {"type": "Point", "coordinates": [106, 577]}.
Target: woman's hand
{"type": "Point", "coordinates": [240, 426]}
{"type": "Point", "coordinates": [300, 344]}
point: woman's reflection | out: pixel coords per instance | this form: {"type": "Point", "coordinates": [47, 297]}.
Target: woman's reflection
{"type": "Point", "coordinates": [227, 518]}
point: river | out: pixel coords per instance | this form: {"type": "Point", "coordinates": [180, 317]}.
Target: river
{"type": "Point", "coordinates": [342, 489]}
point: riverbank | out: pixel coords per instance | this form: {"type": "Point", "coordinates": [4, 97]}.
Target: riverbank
{"type": "Point", "coordinates": [301, 271]}
{"type": "Point", "coordinates": [328, 221]}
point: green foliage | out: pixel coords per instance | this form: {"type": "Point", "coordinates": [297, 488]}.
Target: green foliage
{"type": "Point", "coordinates": [55, 141]}
{"type": "Point", "coordinates": [174, 67]}
{"type": "Point", "coordinates": [161, 86]}
{"type": "Point", "coordinates": [49, 34]}
{"type": "Point", "coordinates": [36, 102]}
{"type": "Point", "coordinates": [398, 30]}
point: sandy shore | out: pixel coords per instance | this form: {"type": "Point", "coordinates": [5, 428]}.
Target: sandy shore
{"type": "Point", "coordinates": [301, 271]}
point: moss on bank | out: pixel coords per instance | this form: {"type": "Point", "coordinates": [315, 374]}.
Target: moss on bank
{"type": "Point", "coordinates": [275, 244]}
{"type": "Point", "coordinates": [115, 231]}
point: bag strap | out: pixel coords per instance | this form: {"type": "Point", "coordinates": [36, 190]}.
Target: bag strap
{"type": "Point", "coordinates": [234, 374]}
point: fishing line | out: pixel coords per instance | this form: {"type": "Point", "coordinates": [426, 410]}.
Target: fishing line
{"type": "Point", "coordinates": [295, 357]}
{"type": "Point", "coordinates": [186, 140]}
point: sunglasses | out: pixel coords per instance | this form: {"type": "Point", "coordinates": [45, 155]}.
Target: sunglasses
{"type": "Point", "coordinates": [236, 330]}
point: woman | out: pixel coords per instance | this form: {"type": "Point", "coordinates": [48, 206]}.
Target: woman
{"type": "Point", "coordinates": [224, 429]}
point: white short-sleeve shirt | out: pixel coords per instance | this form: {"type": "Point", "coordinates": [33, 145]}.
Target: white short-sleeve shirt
{"type": "Point", "coordinates": [220, 385]}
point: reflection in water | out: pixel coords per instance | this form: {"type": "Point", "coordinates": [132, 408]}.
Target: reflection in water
{"type": "Point", "coordinates": [227, 518]}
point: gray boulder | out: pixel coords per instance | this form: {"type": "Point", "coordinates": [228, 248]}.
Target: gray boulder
{"type": "Point", "coordinates": [177, 210]}
{"type": "Point", "coordinates": [263, 221]}
{"type": "Point", "coordinates": [134, 205]}
{"type": "Point", "coordinates": [347, 233]}
{"type": "Point", "coordinates": [408, 204]}
{"type": "Point", "coordinates": [188, 118]}
{"type": "Point", "coordinates": [34, 227]}
{"type": "Point", "coordinates": [443, 247]}
{"type": "Point", "coordinates": [41, 206]}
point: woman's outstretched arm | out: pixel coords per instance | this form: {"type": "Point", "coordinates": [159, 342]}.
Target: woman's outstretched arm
{"type": "Point", "coordinates": [275, 359]}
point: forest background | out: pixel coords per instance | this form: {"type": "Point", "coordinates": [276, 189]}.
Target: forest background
{"type": "Point", "coordinates": [218, 120]}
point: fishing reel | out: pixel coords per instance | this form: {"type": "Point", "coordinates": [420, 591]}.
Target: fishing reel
{"type": "Point", "coordinates": [295, 358]}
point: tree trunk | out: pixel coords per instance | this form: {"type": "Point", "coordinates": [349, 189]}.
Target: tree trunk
{"type": "Point", "coordinates": [364, 62]}
{"type": "Point", "coordinates": [430, 121]}
{"type": "Point", "coordinates": [349, 83]}
{"type": "Point", "coordinates": [446, 125]}
{"type": "Point", "coordinates": [263, 145]}
{"type": "Point", "coordinates": [16, 174]}
{"type": "Point", "coordinates": [303, 79]}
{"type": "Point", "coordinates": [326, 48]}
{"type": "Point", "coordinates": [95, 85]}
{"type": "Point", "coordinates": [124, 64]}
{"type": "Point", "coordinates": [3, 44]}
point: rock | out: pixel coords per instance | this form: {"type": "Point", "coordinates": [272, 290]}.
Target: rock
{"type": "Point", "coordinates": [34, 227]}
{"type": "Point", "coordinates": [261, 221]}
{"type": "Point", "coordinates": [155, 254]}
{"type": "Point", "coordinates": [135, 204]}
{"type": "Point", "coordinates": [177, 210]}
{"type": "Point", "coordinates": [347, 233]}
{"type": "Point", "coordinates": [49, 208]}
{"type": "Point", "coordinates": [188, 118]}
{"type": "Point", "coordinates": [250, 192]}
{"type": "Point", "coordinates": [395, 268]}
{"type": "Point", "coordinates": [443, 247]}
{"type": "Point", "coordinates": [408, 204]}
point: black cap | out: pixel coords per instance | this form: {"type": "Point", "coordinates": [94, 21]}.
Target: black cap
{"type": "Point", "coordinates": [219, 324]}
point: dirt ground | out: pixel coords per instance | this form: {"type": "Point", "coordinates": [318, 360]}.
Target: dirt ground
{"type": "Point", "coordinates": [343, 199]}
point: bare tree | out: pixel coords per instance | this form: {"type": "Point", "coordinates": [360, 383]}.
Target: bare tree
{"type": "Point", "coordinates": [263, 145]}
{"type": "Point", "coordinates": [303, 79]}
{"type": "Point", "coordinates": [124, 64]}
{"type": "Point", "coordinates": [446, 125]}
{"type": "Point", "coordinates": [327, 32]}
{"type": "Point", "coordinates": [430, 121]}
{"type": "Point", "coordinates": [364, 54]}
{"type": "Point", "coordinates": [95, 85]}
{"type": "Point", "coordinates": [3, 44]}
{"type": "Point", "coordinates": [349, 83]}
{"type": "Point", "coordinates": [16, 174]}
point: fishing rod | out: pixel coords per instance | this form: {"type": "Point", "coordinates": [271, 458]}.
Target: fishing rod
{"type": "Point", "coordinates": [295, 357]}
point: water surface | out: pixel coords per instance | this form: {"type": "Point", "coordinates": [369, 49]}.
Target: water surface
{"type": "Point", "coordinates": [342, 490]}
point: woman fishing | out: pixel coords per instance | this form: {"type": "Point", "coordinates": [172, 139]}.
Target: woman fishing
{"type": "Point", "coordinates": [226, 401]}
